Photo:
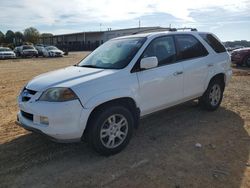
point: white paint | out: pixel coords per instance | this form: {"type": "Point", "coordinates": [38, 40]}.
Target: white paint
{"type": "Point", "coordinates": [152, 90]}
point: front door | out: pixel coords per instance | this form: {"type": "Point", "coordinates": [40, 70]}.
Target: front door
{"type": "Point", "coordinates": [161, 86]}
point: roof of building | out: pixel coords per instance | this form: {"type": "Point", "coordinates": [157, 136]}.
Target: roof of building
{"type": "Point", "coordinates": [101, 32]}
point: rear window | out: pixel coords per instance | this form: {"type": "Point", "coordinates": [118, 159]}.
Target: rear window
{"type": "Point", "coordinates": [5, 50]}
{"type": "Point", "coordinates": [28, 47]}
{"type": "Point", "coordinates": [213, 42]}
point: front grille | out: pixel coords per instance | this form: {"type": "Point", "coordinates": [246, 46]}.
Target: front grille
{"type": "Point", "coordinates": [25, 99]}
{"type": "Point", "coordinates": [27, 94]}
{"type": "Point", "coordinates": [27, 115]}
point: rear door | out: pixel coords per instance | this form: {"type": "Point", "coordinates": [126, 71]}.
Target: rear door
{"type": "Point", "coordinates": [163, 85]}
{"type": "Point", "coordinates": [195, 61]}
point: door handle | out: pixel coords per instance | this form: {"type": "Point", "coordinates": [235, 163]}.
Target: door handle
{"type": "Point", "coordinates": [210, 65]}
{"type": "Point", "coordinates": [178, 73]}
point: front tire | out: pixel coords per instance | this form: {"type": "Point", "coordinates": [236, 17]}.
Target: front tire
{"type": "Point", "coordinates": [247, 61]}
{"type": "Point", "coordinates": [110, 130]}
{"type": "Point", "coordinates": [212, 97]}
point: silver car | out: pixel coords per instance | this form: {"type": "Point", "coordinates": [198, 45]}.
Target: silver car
{"type": "Point", "coordinates": [6, 53]}
{"type": "Point", "coordinates": [52, 51]}
{"type": "Point", "coordinates": [28, 51]}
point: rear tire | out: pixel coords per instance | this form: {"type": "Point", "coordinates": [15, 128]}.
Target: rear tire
{"type": "Point", "coordinates": [110, 130]}
{"type": "Point", "coordinates": [212, 97]}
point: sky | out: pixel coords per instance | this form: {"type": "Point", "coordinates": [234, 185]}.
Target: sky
{"type": "Point", "coordinates": [228, 19]}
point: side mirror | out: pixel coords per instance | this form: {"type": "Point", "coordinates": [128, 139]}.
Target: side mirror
{"type": "Point", "coordinates": [148, 62]}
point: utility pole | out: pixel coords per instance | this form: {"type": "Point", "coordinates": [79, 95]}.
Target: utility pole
{"type": "Point", "coordinates": [139, 23]}
{"type": "Point", "coordinates": [100, 26]}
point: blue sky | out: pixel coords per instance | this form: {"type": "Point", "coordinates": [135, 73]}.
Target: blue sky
{"type": "Point", "coordinates": [228, 19]}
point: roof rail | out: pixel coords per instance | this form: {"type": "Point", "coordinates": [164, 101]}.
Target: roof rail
{"type": "Point", "coordinates": [165, 29]}
{"type": "Point", "coordinates": [183, 29]}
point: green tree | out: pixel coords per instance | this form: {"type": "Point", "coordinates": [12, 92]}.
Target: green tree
{"type": "Point", "coordinates": [19, 37]}
{"type": "Point", "coordinates": [9, 36]}
{"type": "Point", "coordinates": [1, 37]}
{"type": "Point", "coordinates": [46, 35]}
{"type": "Point", "coordinates": [31, 34]}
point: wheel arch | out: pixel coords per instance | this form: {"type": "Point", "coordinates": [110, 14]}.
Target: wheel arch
{"type": "Point", "coordinates": [127, 102]}
{"type": "Point", "coordinates": [220, 76]}
{"type": "Point", "coordinates": [244, 59]}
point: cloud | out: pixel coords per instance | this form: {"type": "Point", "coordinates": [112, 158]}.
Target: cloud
{"type": "Point", "coordinates": [76, 15]}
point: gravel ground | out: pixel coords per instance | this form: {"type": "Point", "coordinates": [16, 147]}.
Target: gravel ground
{"type": "Point", "coordinates": [183, 146]}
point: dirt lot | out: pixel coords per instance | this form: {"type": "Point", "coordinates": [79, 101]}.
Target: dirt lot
{"type": "Point", "coordinates": [162, 152]}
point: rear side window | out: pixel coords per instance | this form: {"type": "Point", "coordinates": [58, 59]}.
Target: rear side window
{"type": "Point", "coordinates": [189, 47]}
{"type": "Point", "coordinates": [213, 42]}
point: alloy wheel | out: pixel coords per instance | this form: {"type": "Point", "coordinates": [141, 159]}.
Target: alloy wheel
{"type": "Point", "coordinates": [215, 95]}
{"type": "Point", "coordinates": [114, 131]}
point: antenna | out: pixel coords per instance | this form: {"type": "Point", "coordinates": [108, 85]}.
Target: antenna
{"type": "Point", "coordinates": [100, 26]}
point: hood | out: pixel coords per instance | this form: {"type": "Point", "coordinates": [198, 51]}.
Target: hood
{"type": "Point", "coordinates": [7, 52]}
{"type": "Point", "coordinates": [55, 51]}
{"type": "Point", "coordinates": [66, 77]}
{"type": "Point", "coordinates": [241, 49]}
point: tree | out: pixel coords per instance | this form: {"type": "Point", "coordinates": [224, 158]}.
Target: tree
{"type": "Point", "coordinates": [1, 37]}
{"type": "Point", "coordinates": [9, 36]}
{"type": "Point", "coordinates": [19, 37]}
{"type": "Point", "coordinates": [31, 34]}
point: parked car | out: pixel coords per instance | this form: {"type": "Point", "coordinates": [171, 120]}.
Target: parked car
{"type": "Point", "coordinates": [6, 53]}
{"type": "Point", "coordinates": [40, 49]}
{"type": "Point", "coordinates": [52, 51]}
{"type": "Point", "coordinates": [241, 56]}
{"type": "Point", "coordinates": [17, 51]}
{"type": "Point", "coordinates": [103, 97]}
{"type": "Point", "coordinates": [28, 51]}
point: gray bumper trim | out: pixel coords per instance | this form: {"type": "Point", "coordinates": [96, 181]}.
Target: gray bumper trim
{"type": "Point", "coordinates": [42, 133]}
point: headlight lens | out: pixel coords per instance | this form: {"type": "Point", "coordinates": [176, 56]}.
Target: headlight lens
{"type": "Point", "coordinates": [58, 94]}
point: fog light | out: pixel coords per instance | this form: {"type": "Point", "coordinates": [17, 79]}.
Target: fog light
{"type": "Point", "coordinates": [44, 120]}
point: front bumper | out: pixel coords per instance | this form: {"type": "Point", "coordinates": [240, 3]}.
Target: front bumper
{"type": "Point", "coordinates": [30, 53]}
{"type": "Point", "coordinates": [7, 56]}
{"type": "Point", "coordinates": [67, 120]}
{"type": "Point", "coordinates": [56, 55]}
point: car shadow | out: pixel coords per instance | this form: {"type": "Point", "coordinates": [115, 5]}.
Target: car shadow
{"type": "Point", "coordinates": [182, 146]}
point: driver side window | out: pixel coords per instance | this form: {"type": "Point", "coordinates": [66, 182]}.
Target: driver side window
{"type": "Point", "coordinates": [163, 48]}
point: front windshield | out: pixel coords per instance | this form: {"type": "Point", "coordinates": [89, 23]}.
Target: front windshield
{"type": "Point", "coordinates": [51, 48]}
{"type": "Point", "coordinates": [28, 47]}
{"type": "Point", "coordinates": [114, 54]}
{"type": "Point", "coordinates": [5, 50]}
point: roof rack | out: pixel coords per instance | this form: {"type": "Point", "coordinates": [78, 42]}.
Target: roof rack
{"type": "Point", "coordinates": [165, 29]}
{"type": "Point", "coordinates": [183, 29]}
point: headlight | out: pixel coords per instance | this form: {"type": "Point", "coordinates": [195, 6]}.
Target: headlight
{"type": "Point", "coordinates": [58, 94]}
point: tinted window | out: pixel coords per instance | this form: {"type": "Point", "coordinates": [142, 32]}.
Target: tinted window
{"type": "Point", "coordinates": [163, 48]}
{"type": "Point", "coordinates": [189, 47]}
{"type": "Point", "coordinates": [213, 42]}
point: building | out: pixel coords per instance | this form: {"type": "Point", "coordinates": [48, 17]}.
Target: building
{"type": "Point", "coordinates": [90, 40]}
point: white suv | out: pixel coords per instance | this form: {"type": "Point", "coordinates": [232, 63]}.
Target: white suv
{"type": "Point", "coordinates": [103, 97]}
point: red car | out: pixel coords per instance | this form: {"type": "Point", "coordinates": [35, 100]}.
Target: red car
{"type": "Point", "coordinates": [241, 56]}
